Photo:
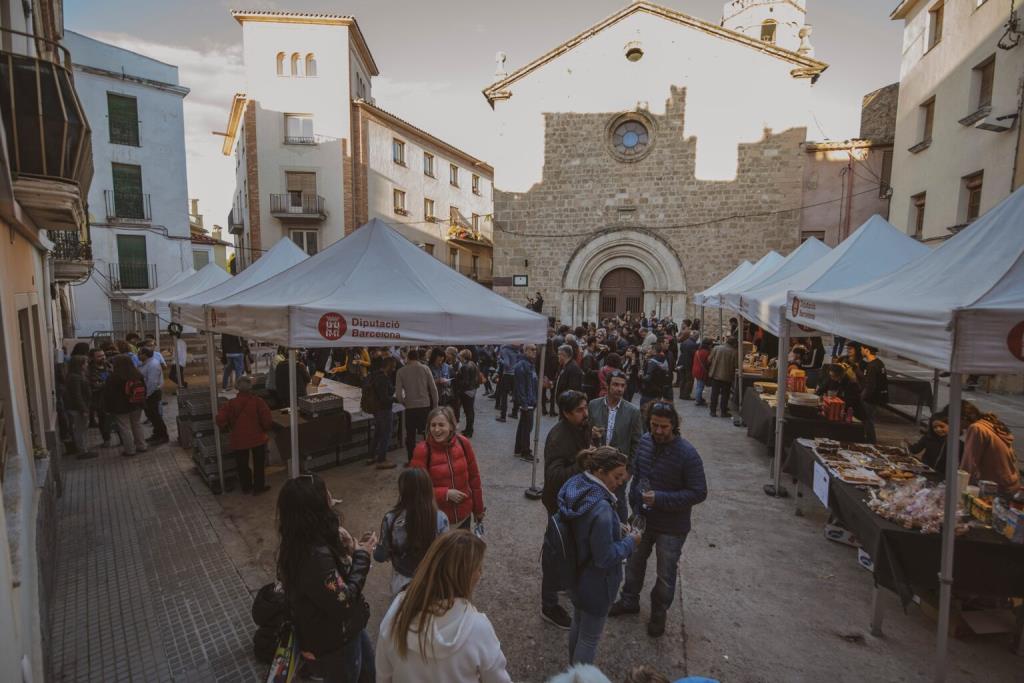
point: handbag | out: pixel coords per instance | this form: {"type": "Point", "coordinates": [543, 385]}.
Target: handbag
{"type": "Point", "coordinates": [284, 668]}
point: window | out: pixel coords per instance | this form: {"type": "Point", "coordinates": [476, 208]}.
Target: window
{"type": "Point", "coordinates": [295, 64]}
{"type": "Point", "coordinates": [476, 184]}
{"type": "Point", "coordinates": [453, 258]}
{"type": "Point", "coordinates": [630, 139]}
{"type": "Point", "coordinates": [429, 248]}
{"type": "Point", "coordinates": [476, 265]}
{"type": "Point", "coordinates": [123, 119]}
{"type": "Point", "coordinates": [885, 183]}
{"type": "Point", "coordinates": [280, 64]}
{"type": "Point", "coordinates": [301, 189]}
{"type": "Point", "coordinates": [398, 152]}
{"type": "Point", "coordinates": [453, 174]}
{"type": "Point", "coordinates": [985, 76]}
{"type": "Point", "coordinates": [453, 215]}
{"type": "Point", "coordinates": [128, 199]}
{"type": "Point", "coordinates": [310, 65]}
{"type": "Point", "coordinates": [768, 29]}
{"type": "Point", "coordinates": [428, 210]}
{"type": "Point", "coordinates": [399, 201]}
{"type": "Point", "coordinates": [200, 258]}
{"type": "Point", "coordinates": [132, 263]}
{"type": "Point", "coordinates": [917, 205]}
{"type": "Point", "coordinates": [428, 164]}
{"type": "Point", "coordinates": [306, 240]}
{"type": "Point", "coordinates": [808, 234]}
{"type": "Point", "coordinates": [935, 17]}
{"type": "Point", "coordinates": [476, 222]}
{"type": "Point", "coordinates": [971, 195]}
{"type": "Point", "coordinates": [926, 124]}
{"type": "Point", "coordinates": [298, 129]}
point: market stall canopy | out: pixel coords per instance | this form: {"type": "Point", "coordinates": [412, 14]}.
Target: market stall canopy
{"type": "Point", "coordinates": [141, 302]}
{"type": "Point", "coordinates": [873, 250]}
{"type": "Point", "coordinates": [374, 288]}
{"type": "Point", "coordinates": [738, 273]}
{"type": "Point", "coordinates": [279, 258]}
{"type": "Point", "coordinates": [766, 264]}
{"type": "Point", "coordinates": [205, 278]}
{"type": "Point", "coordinates": [810, 251]}
{"type": "Point", "coordinates": [959, 308]}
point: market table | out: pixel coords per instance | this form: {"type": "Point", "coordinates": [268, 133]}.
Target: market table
{"type": "Point", "coordinates": [906, 390]}
{"type": "Point", "coordinates": [320, 438]}
{"type": "Point", "coordinates": [760, 420]}
{"type": "Point", "coordinates": [906, 561]}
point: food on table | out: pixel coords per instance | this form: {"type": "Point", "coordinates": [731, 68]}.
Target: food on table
{"type": "Point", "coordinates": [913, 505]}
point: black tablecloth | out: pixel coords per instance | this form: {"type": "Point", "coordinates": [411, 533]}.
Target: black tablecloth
{"type": "Point", "coordinates": [907, 561]}
{"type": "Point", "coordinates": [316, 435]}
{"type": "Point", "coordinates": [908, 391]}
{"type": "Point", "coordinates": [760, 420]}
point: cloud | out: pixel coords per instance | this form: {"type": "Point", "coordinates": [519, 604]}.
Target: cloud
{"type": "Point", "coordinates": [212, 76]}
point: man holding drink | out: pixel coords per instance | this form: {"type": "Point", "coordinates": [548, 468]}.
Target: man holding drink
{"type": "Point", "coordinates": [616, 423]}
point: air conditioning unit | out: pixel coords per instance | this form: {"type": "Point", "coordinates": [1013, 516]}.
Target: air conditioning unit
{"type": "Point", "coordinates": [997, 124]}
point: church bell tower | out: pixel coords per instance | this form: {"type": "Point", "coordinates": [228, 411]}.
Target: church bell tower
{"type": "Point", "coordinates": [779, 22]}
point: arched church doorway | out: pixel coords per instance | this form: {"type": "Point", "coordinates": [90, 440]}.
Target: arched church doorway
{"type": "Point", "coordinates": [622, 290]}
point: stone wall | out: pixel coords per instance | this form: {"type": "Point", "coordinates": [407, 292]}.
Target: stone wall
{"type": "Point", "coordinates": [710, 226]}
{"type": "Point", "coordinates": [878, 114]}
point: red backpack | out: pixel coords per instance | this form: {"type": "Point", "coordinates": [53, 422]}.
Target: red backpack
{"type": "Point", "coordinates": [135, 390]}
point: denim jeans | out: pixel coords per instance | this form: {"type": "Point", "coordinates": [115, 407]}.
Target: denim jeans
{"type": "Point", "coordinates": [383, 422]}
{"type": "Point", "coordinates": [548, 581]}
{"type": "Point", "coordinates": [351, 664]}
{"type": "Point", "coordinates": [584, 635]}
{"type": "Point", "coordinates": [668, 549]}
{"type": "Point", "coordinates": [698, 390]}
{"type": "Point", "coordinates": [720, 396]}
{"type": "Point", "coordinates": [235, 363]}
{"type": "Point", "coordinates": [504, 389]}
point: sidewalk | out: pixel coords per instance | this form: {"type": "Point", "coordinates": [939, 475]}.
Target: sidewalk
{"type": "Point", "coordinates": [145, 590]}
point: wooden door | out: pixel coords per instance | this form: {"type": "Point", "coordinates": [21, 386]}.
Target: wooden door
{"type": "Point", "coordinates": [622, 290]}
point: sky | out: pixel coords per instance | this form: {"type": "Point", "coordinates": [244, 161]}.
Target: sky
{"type": "Point", "coordinates": [435, 56]}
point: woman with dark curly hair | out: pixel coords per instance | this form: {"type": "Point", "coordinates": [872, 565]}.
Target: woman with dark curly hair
{"type": "Point", "coordinates": [323, 572]}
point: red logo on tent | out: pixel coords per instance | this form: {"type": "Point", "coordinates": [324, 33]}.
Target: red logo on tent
{"type": "Point", "coordinates": [796, 307]}
{"type": "Point", "coordinates": [332, 326]}
{"type": "Point", "coordinates": [1015, 341]}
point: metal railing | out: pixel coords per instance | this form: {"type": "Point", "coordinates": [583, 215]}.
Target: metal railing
{"type": "Point", "coordinates": [482, 273]}
{"type": "Point", "coordinates": [299, 140]}
{"type": "Point", "coordinates": [127, 206]}
{"type": "Point", "coordinates": [236, 224]}
{"type": "Point", "coordinates": [132, 275]}
{"type": "Point", "coordinates": [68, 245]}
{"type": "Point", "coordinates": [308, 205]}
{"type": "Point", "coordinates": [45, 123]}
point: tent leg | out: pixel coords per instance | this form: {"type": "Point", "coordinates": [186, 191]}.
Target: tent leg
{"type": "Point", "coordinates": [534, 493]}
{"type": "Point", "coordinates": [948, 525]}
{"type": "Point", "coordinates": [212, 370]}
{"type": "Point", "coordinates": [721, 322]}
{"type": "Point", "coordinates": [776, 489]}
{"type": "Point", "coordinates": [156, 332]}
{"type": "Point", "coordinates": [293, 413]}
{"type": "Point", "coordinates": [737, 419]}
{"type": "Point", "coordinates": [935, 391]}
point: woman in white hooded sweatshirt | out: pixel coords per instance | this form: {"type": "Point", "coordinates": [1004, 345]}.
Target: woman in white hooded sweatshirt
{"type": "Point", "coordinates": [432, 633]}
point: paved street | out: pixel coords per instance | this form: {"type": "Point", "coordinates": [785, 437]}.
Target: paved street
{"type": "Point", "coordinates": [155, 576]}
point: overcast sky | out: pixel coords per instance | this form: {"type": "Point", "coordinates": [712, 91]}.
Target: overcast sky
{"type": "Point", "coordinates": [435, 56]}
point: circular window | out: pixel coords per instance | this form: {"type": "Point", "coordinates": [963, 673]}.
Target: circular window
{"type": "Point", "coordinates": [631, 139]}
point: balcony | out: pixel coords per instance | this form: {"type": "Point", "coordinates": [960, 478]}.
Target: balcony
{"type": "Point", "coordinates": [308, 207]}
{"type": "Point", "coordinates": [72, 255]}
{"type": "Point", "coordinates": [460, 233]}
{"type": "Point", "coordinates": [236, 224]}
{"type": "Point", "coordinates": [48, 137]}
{"type": "Point", "coordinates": [131, 275]}
{"type": "Point", "coordinates": [482, 274]}
{"type": "Point", "coordinates": [299, 140]}
{"type": "Point", "coordinates": [127, 207]}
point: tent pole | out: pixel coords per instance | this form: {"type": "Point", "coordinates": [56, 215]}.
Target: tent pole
{"type": "Point", "coordinates": [293, 413]}
{"type": "Point", "coordinates": [776, 489]}
{"type": "Point", "coordinates": [948, 524]}
{"type": "Point", "coordinates": [935, 391]}
{"type": "Point", "coordinates": [702, 323]}
{"type": "Point", "coordinates": [212, 370]}
{"type": "Point", "coordinates": [721, 322]}
{"type": "Point", "coordinates": [737, 419]}
{"type": "Point", "coordinates": [534, 493]}
{"type": "Point", "coordinates": [156, 330]}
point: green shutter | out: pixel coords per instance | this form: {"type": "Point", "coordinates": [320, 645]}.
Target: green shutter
{"type": "Point", "coordinates": [132, 266]}
{"type": "Point", "coordinates": [123, 117]}
{"type": "Point", "coordinates": [128, 200]}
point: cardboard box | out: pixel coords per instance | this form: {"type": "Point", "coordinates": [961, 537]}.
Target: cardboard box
{"type": "Point", "coordinates": [834, 532]}
{"type": "Point", "coordinates": [865, 561]}
{"type": "Point", "coordinates": [1008, 522]}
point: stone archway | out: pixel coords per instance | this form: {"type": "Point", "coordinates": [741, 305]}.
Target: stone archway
{"type": "Point", "coordinates": [644, 253]}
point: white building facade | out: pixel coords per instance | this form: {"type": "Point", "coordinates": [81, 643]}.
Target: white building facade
{"type": "Point", "coordinates": [316, 158]}
{"type": "Point", "coordinates": [958, 135]}
{"type": "Point", "coordinates": [138, 205]}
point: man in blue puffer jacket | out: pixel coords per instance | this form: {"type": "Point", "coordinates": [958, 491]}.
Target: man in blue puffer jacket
{"type": "Point", "coordinates": [587, 503]}
{"type": "Point", "coordinates": [668, 480]}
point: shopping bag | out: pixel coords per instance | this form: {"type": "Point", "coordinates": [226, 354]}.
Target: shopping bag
{"type": "Point", "coordinates": [287, 659]}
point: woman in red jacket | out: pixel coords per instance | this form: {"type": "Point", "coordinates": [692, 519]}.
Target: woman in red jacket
{"type": "Point", "coordinates": [249, 419]}
{"type": "Point", "coordinates": [449, 460]}
{"type": "Point", "coordinates": [701, 363]}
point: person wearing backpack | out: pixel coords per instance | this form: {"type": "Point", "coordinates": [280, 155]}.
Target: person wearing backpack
{"type": "Point", "coordinates": [409, 528]}
{"type": "Point", "coordinates": [451, 463]}
{"type": "Point", "coordinates": [378, 397]}
{"type": "Point", "coordinates": [323, 572]}
{"type": "Point", "coordinates": [248, 418]}
{"type": "Point", "coordinates": [586, 505]}
{"type": "Point", "coordinates": [124, 396]}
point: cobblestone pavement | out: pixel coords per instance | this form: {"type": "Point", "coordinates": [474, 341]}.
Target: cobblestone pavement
{"type": "Point", "coordinates": [145, 590]}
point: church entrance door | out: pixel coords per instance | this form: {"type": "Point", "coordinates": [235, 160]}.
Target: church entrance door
{"type": "Point", "coordinates": [622, 290]}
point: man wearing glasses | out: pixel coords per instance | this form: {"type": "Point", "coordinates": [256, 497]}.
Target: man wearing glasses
{"type": "Point", "coordinates": [668, 480]}
{"type": "Point", "coordinates": [616, 423]}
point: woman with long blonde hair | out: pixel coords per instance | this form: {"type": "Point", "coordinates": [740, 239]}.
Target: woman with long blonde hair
{"type": "Point", "coordinates": [433, 633]}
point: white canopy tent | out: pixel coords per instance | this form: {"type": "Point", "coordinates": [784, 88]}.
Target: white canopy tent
{"type": "Point", "coordinates": [738, 273]}
{"type": "Point", "coordinates": [959, 308]}
{"type": "Point", "coordinates": [373, 288]}
{"type": "Point", "coordinates": [766, 264]}
{"type": "Point", "coordinates": [208, 276]}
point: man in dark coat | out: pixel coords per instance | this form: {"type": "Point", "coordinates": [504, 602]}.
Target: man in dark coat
{"type": "Point", "coordinates": [570, 377]}
{"type": "Point", "coordinates": [687, 350]}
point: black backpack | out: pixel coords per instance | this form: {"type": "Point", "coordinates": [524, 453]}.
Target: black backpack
{"type": "Point", "coordinates": [559, 550]}
{"type": "Point", "coordinates": [270, 613]}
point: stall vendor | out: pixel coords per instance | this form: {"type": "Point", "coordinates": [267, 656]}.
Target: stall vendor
{"type": "Point", "coordinates": [842, 382]}
{"type": "Point", "coordinates": [988, 449]}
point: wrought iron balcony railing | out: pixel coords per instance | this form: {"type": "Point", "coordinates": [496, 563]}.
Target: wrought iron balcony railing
{"type": "Point", "coordinates": [69, 245]}
{"type": "Point", "coordinates": [132, 275]}
{"type": "Point", "coordinates": [127, 206]}
{"type": "Point", "coordinates": [309, 206]}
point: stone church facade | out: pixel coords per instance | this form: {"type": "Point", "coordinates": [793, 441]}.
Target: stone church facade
{"type": "Point", "coordinates": [633, 183]}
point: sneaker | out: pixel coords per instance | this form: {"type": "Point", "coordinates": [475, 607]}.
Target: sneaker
{"type": "Point", "coordinates": [526, 457]}
{"type": "Point", "coordinates": [386, 465]}
{"type": "Point", "coordinates": [557, 616]}
{"type": "Point", "coordinates": [656, 626]}
{"type": "Point", "coordinates": [619, 608]}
